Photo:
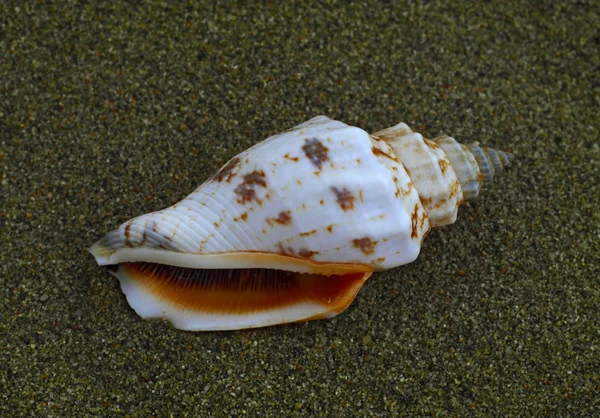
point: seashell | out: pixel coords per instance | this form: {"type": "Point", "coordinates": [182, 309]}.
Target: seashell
{"type": "Point", "coordinates": [290, 229]}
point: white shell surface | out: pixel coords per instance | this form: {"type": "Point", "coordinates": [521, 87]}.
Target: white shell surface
{"type": "Point", "coordinates": [323, 192]}
{"type": "Point", "coordinates": [430, 170]}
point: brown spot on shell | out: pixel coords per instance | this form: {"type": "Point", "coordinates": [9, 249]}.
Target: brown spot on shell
{"type": "Point", "coordinates": [414, 218]}
{"type": "Point", "coordinates": [306, 234]}
{"type": "Point", "coordinates": [284, 218]}
{"type": "Point", "coordinates": [245, 190]}
{"type": "Point", "coordinates": [425, 201]}
{"type": "Point", "coordinates": [287, 157]}
{"type": "Point", "coordinates": [144, 238]}
{"type": "Point", "coordinates": [444, 164]}
{"type": "Point", "coordinates": [455, 188]}
{"type": "Point", "coordinates": [378, 152]}
{"type": "Point", "coordinates": [330, 228]}
{"type": "Point", "coordinates": [315, 152]}
{"type": "Point", "coordinates": [431, 144]}
{"type": "Point", "coordinates": [344, 198]}
{"type": "Point", "coordinates": [226, 172]}
{"type": "Point", "coordinates": [306, 253]}
{"type": "Point", "coordinates": [365, 245]}
{"type": "Point", "coordinates": [422, 222]}
{"type": "Point", "coordinates": [289, 251]}
{"type": "Point", "coordinates": [128, 235]}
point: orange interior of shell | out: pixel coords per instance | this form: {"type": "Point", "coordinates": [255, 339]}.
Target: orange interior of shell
{"type": "Point", "coordinates": [242, 291]}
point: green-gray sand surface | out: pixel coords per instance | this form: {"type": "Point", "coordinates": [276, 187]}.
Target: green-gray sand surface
{"type": "Point", "coordinates": [110, 109]}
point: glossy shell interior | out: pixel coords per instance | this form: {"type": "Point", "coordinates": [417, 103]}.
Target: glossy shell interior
{"type": "Point", "coordinates": [203, 300]}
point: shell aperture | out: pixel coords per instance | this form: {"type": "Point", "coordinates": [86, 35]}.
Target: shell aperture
{"type": "Point", "coordinates": [311, 211]}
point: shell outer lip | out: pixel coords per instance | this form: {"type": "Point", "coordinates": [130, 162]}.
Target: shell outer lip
{"type": "Point", "coordinates": [231, 260]}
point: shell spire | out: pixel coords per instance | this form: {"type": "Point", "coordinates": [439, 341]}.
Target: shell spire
{"type": "Point", "coordinates": [444, 171]}
{"type": "Point", "coordinates": [489, 160]}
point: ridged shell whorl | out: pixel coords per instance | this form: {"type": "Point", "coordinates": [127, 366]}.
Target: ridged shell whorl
{"type": "Point", "coordinates": [430, 171]}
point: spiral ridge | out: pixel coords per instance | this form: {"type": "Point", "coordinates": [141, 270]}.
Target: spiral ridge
{"type": "Point", "coordinates": [490, 161]}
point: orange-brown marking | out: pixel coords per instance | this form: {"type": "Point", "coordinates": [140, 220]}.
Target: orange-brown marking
{"type": "Point", "coordinates": [288, 251]}
{"type": "Point", "coordinates": [128, 236]}
{"type": "Point", "coordinates": [306, 253]}
{"type": "Point", "coordinates": [423, 218]}
{"type": "Point", "coordinates": [378, 152]}
{"type": "Point", "coordinates": [226, 172]}
{"type": "Point", "coordinates": [365, 245]}
{"type": "Point", "coordinates": [284, 218]}
{"type": "Point", "coordinates": [431, 144]}
{"type": "Point", "coordinates": [243, 291]}
{"type": "Point", "coordinates": [344, 198]}
{"type": "Point", "coordinates": [306, 234]}
{"type": "Point", "coordinates": [330, 228]}
{"type": "Point", "coordinates": [455, 188]}
{"type": "Point", "coordinates": [315, 152]}
{"type": "Point", "coordinates": [144, 238]}
{"type": "Point", "coordinates": [425, 201]}
{"type": "Point", "coordinates": [287, 157]}
{"type": "Point", "coordinates": [444, 164]}
{"type": "Point", "coordinates": [322, 201]}
{"type": "Point", "coordinates": [245, 190]}
{"type": "Point", "coordinates": [414, 222]}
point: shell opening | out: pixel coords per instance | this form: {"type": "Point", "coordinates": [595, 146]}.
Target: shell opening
{"type": "Point", "coordinates": [221, 299]}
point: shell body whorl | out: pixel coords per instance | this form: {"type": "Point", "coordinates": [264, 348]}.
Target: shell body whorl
{"type": "Point", "coordinates": [321, 206]}
{"type": "Point", "coordinates": [322, 191]}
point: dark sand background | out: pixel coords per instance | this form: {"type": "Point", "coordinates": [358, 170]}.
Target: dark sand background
{"type": "Point", "coordinates": [111, 111]}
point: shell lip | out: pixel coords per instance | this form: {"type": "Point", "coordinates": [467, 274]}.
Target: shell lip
{"type": "Point", "coordinates": [230, 260]}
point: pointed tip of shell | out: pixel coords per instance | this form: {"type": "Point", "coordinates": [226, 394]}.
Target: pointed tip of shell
{"type": "Point", "coordinates": [491, 162]}
{"type": "Point", "coordinates": [101, 252]}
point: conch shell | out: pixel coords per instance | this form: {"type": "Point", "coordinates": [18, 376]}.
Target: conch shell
{"type": "Point", "coordinates": [290, 229]}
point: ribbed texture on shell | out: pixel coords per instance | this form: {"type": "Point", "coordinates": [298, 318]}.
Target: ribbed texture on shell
{"type": "Point", "coordinates": [490, 161]}
{"type": "Point", "coordinates": [430, 171]}
{"type": "Point", "coordinates": [323, 192]}
{"type": "Point", "coordinates": [464, 165]}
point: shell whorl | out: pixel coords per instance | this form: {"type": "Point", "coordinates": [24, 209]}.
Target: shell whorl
{"type": "Point", "coordinates": [444, 171]}
{"type": "Point", "coordinates": [489, 160]}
